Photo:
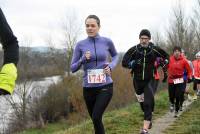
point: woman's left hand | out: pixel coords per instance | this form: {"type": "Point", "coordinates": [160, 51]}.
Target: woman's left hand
{"type": "Point", "coordinates": [107, 70]}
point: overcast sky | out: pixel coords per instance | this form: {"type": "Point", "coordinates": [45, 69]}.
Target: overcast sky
{"type": "Point", "coordinates": [121, 20]}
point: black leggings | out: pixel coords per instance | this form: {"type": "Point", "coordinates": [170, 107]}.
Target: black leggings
{"type": "Point", "coordinates": [148, 88]}
{"type": "Point", "coordinates": [96, 101]}
{"type": "Point", "coordinates": [196, 81]}
{"type": "Point", "coordinates": [175, 92]}
{"type": "Point", "coordinates": [182, 99]}
{"type": "Point", "coordinates": [3, 92]}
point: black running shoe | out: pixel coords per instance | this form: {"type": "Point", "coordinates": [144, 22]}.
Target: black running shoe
{"type": "Point", "coordinates": [144, 131]}
{"type": "Point", "coordinates": [176, 114]}
{"type": "Point", "coordinates": [150, 125]}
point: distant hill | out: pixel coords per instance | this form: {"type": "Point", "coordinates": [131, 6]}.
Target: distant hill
{"type": "Point", "coordinates": [41, 49]}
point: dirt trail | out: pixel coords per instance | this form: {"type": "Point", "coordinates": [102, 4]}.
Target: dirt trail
{"type": "Point", "coordinates": [160, 124]}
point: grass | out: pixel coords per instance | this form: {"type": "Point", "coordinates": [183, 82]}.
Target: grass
{"type": "Point", "coordinates": [188, 122]}
{"type": "Point", "coordinates": [126, 120]}
{"type": "Point", "coordinates": [48, 129]}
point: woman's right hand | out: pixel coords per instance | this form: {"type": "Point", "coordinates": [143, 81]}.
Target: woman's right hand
{"type": "Point", "coordinates": [87, 55]}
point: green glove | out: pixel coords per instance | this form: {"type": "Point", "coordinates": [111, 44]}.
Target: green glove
{"type": "Point", "coordinates": [8, 76]}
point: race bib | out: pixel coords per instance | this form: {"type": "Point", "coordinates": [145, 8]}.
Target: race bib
{"type": "Point", "coordinates": [198, 78]}
{"type": "Point", "coordinates": [140, 98]}
{"type": "Point", "coordinates": [178, 81]}
{"type": "Point", "coordinates": [96, 76]}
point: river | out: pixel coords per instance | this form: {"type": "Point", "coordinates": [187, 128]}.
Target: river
{"type": "Point", "coordinates": [5, 107]}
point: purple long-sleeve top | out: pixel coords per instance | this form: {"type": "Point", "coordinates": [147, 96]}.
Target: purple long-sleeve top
{"type": "Point", "coordinates": [101, 48]}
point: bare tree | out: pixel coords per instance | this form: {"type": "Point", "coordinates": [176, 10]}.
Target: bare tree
{"type": "Point", "coordinates": [158, 40]}
{"type": "Point", "coordinates": [56, 56]}
{"type": "Point", "coordinates": [19, 105]}
{"type": "Point", "coordinates": [196, 20]}
{"type": "Point", "coordinates": [71, 30]}
{"type": "Point", "coordinates": [4, 115]}
{"type": "Point", "coordinates": [181, 31]}
{"type": "Point", "coordinates": [20, 100]}
{"type": "Point", "coordinates": [25, 108]}
{"type": "Point", "coordinates": [24, 61]}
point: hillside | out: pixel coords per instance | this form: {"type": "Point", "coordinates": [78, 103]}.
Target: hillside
{"type": "Point", "coordinates": [122, 121]}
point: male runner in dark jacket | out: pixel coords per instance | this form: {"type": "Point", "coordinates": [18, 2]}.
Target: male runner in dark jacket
{"type": "Point", "coordinates": [141, 59]}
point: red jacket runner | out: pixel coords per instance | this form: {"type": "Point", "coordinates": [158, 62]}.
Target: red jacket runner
{"type": "Point", "coordinates": [196, 64]}
{"type": "Point", "coordinates": [176, 68]}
